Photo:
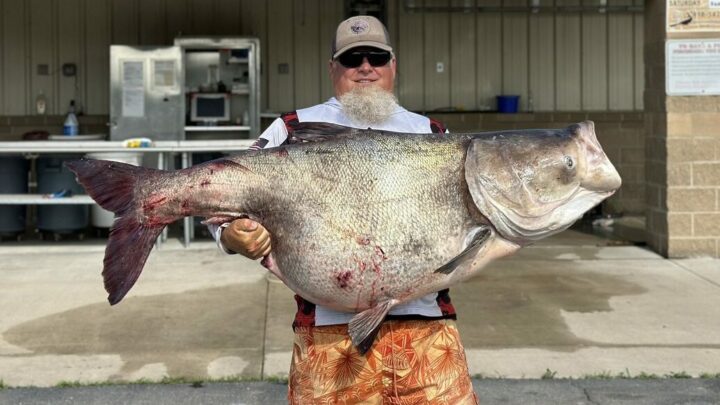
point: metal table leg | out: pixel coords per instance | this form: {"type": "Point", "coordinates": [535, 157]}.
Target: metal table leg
{"type": "Point", "coordinates": [163, 235]}
{"type": "Point", "coordinates": [187, 221]}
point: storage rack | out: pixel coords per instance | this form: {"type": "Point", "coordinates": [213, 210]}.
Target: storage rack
{"type": "Point", "coordinates": [163, 149]}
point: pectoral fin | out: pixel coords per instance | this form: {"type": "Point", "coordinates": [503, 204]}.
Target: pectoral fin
{"type": "Point", "coordinates": [319, 131]}
{"type": "Point", "coordinates": [364, 326]}
{"type": "Point", "coordinates": [477, 242]}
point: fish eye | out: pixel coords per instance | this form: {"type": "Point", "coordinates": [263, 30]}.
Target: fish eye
{"type": "Point", "coordinates": [569, 162]}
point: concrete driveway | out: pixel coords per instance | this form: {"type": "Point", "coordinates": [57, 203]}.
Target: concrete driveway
{"type": "Point", "coordinates": [573, 306]}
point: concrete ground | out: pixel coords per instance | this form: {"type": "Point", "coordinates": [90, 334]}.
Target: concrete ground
{"type": "Point", "coordinates": [572, 306]}
{"type": "Point", "coordinates": [490, 391]}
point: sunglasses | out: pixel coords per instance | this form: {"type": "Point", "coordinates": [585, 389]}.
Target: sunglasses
{"type": "Point", "coordinates": [354, 59]}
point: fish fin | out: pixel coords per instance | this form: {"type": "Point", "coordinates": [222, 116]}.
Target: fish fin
{"type": "Point", "coordinates": [128, 248]}
{"type": "Point", "coordinates": [270, 263]}
{"type": "Point", "coordinates": [227, 162]}
{"type": "Point", "coordinates": [364, 327]}
{"type": "Point", "coordinates": [219, 220]}
{"type": "Point", "coordinates": [112, 185]}
{"type": "Point", "coordinates": [319, 131]}
{"type": "Point", "coordinates": [478, 240]}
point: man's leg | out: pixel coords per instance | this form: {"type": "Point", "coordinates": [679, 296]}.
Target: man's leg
{"type": "Point", "coordinates": [425, 362]}
{"type": "Point", "coordinates": [416, 361]}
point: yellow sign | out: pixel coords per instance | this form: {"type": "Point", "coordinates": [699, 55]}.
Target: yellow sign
{"type": "Point", "coordinates": [693, 15]}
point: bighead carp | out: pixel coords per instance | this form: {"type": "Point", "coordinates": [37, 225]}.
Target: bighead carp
{"type": "Point", "coordinates": [362, 220]}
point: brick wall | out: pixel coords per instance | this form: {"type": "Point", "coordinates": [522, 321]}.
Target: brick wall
{"type": "Point", "coordinates": [683, 175]}
{"type": "Point", "coordinates": [683, 155]}
{"type": "Point", "coordinates": [621, 135]}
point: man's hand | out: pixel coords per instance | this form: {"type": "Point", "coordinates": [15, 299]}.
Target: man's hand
{"type": "Point", "coordinates": [247, 237]}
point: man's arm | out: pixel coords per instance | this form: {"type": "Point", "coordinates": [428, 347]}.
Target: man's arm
{"type": "Point", "coordinates": [245, 236]}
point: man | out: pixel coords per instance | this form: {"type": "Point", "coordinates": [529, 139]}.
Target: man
{"type": "Point", "coordinates": [417, 356]}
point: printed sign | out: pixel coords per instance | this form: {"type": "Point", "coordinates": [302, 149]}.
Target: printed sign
{"type": "Point", "coordinates": [692, 67]}
{"type": "Point", "coordinates": [164, 74]}
{"type": "Point", "coordinates": [693, 16]}
{"type": "Point", "coordinates": [133, 89]}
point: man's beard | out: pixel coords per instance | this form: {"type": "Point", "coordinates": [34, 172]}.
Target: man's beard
{"type": "Point", "coordinates": [368, 105]}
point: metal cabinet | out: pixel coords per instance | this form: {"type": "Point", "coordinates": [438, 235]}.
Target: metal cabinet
{"type": "Point", "coordinates": [200, 88]}
{"type": "Point", "coordinates": [222, 74]}
{"type": "Point", "coordinates": [146, 93]}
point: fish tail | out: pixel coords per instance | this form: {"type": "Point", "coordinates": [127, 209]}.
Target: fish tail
{"type": "Point", "coordinates": [112, 185]}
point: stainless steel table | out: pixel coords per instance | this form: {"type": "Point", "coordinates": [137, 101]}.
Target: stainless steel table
{"type": "Point", "coordinates": [162, 148]}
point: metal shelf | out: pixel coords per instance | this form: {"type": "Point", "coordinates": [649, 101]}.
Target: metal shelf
{"type": "Point", "coordinates": [116, 146]}
{"type": "Point", "coordinates": [162, 148]}
{"type": "Point", "coordinates": [41, 199]}
{"type": "Point", "coordinates": [217, 128]}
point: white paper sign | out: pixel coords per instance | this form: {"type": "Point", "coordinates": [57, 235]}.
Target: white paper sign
{"type": "Point", "coordinates": [693, 15]}
{"type": "Point", "coordinates": [692, 67]}
{"type": "Point", "coordinates": [164, 74]}
{"type": "Point", "coordinates": [133, 89]}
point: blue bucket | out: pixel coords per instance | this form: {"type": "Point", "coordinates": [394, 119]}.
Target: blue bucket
{"type": "Point", "coordinates": [507, 104]}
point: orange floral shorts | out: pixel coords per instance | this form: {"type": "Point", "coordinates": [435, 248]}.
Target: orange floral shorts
{"type": "Point", "coordinates": [411, 362]}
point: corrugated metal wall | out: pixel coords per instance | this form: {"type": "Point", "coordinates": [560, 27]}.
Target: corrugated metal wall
{"type": "Point", "coordinates": [567, 61]}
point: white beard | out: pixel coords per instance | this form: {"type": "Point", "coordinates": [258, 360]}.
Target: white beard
{"type": "Point", "coordinates": [368, 105]}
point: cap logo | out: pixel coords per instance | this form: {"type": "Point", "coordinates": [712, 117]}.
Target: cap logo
{"type": "Point", "coordinates": [359, 27]}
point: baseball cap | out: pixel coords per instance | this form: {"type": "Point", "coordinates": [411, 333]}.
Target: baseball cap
{"type": "Point", "coordinates": [361, 30]}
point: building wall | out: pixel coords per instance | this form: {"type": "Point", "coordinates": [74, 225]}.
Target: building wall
{"type": "Point", "coordinates": [590, 64]}
{"type": "Point", "coordinates": [682, 155]}
{"type": "Point", "coordinates": [567, 61]}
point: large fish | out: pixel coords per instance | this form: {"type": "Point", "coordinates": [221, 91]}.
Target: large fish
{"type": "Point", "coordinates": [363, 220]}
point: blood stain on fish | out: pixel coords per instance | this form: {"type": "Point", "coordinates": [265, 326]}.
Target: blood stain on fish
{"type": "Point", "coordinates": [343, 279]}
{"type": "Point", "coordinates": [154, 201]}
{"type": "Point", "coordinates": [363, 240]}
{"type": "Point", "coordinates": [185, 207]}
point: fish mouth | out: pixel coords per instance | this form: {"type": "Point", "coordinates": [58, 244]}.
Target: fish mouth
{"type": "Point", "coordinates": [525, 229]}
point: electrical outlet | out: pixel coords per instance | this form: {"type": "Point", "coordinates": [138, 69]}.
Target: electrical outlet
{"type": "Point", "coordinates": [69, 69]}
{"type": "Point", "coordinates": [43, 69]}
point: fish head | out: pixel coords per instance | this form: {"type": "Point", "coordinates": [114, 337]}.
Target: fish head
{"type": "Point", "coordinates": [532, 184]}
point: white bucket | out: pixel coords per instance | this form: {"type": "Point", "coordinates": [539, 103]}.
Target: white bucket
{"type": "Point", "coordinates": [99, 217]}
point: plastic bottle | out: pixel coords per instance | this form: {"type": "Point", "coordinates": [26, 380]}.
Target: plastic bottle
{"type": "Point", "coordinates": [71, 126]}
{"type": "Point", "coordinates": [41, 103]}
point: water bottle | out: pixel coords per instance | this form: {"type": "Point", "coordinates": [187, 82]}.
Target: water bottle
{"type": "Point", "coordinates": [71, 126]}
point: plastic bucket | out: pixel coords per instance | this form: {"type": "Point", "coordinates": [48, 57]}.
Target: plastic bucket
{"type": "Point", "coordinates": [53, 176]}
{"type": "Point", "coordinates": [13, 180]}
{"type": "Point", "coordinates": [99, 217]}
{"type": "Point", "coordinates": [507, 104]}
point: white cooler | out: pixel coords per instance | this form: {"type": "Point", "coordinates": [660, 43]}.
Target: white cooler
{"type": "Point", "coordinates": [99, 217]}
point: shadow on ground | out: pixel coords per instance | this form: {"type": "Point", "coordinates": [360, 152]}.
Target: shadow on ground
{"type": "Point", "coordinates": [185, 331]}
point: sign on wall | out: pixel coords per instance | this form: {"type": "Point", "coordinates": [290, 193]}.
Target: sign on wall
{"type": "Point", "coordinates": [692, 67]}
{"type": "Point", "coordinates": [693, 16]}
